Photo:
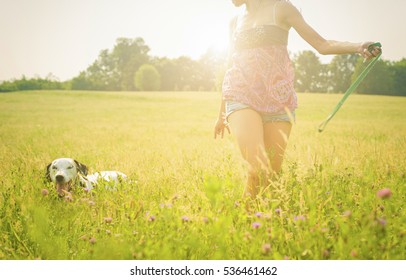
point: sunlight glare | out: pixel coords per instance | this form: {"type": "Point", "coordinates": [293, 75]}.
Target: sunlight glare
{"type": "Point", "coordinates": [204, 32]}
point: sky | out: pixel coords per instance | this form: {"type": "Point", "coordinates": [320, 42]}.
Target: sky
{"type": "Point", "coordinates": [63, 37]}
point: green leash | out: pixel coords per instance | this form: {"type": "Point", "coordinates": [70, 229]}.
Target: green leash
{"type": "Point", "coordinates": [354, 85]}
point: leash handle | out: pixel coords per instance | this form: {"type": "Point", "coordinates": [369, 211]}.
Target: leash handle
{"type": "Point", "coordinates": [353, 86]}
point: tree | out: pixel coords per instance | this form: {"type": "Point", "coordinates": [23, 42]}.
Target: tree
{"type": "Point", "coordinates": [399, 77]}
{"type": "Point", "coordinates": [167, 71]}
{"type": "Point", "coordinates": [340, 71]}
{"type": "Point", "coordinates": [147, 78]}
{"type": "Point", "coordinates": [378, 81]}
{"type": "Point", "coordinates": [114, 70]}
{"type": "Point", "coordinates": [128, 55]}
{"type": "Point", "coordinates": [310, 73]}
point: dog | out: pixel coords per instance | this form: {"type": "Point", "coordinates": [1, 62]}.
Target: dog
{"type": "Point", "coordinates": [67, 172]}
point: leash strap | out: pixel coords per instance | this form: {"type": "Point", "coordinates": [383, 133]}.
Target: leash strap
{"type": "Point", "coordinates": [353, 86]}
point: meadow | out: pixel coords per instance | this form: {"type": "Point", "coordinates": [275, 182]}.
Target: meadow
{"type": "Point", "coordinates": [184, 197]}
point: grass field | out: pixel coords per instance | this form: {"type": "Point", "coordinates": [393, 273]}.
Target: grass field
{"type": "Point", "coordinates": [183, 198]}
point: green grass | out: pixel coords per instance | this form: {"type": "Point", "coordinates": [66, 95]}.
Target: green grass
{"type": "Point", "coordinates": [182, 201]}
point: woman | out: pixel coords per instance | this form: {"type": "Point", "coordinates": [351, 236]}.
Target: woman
{"type": "Point", "coordinates": [259, 99]}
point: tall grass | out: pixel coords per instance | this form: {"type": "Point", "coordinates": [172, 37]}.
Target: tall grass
{"type": "Point", "coordinates": [183, 200]}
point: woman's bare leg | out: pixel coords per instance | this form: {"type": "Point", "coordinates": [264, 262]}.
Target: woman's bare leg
{"type": "Point", "coordinates": [248, 128]}
{"type": "Point", "coordinates": [276, 135]}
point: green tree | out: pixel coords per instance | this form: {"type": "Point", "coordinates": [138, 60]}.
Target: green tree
{"type": "Point", "coordinates": [309, 72]}
{"type": "Point", "coordinates": [168, 73]}
{"type": "Point", "coordinates": [115, 70]}
{"type": "Point", "coordinates": [340, 71]}
{"type": "Point", "coordinates": [399, 77]}
{"type": "Point", "coordinates": [147, 78]}
{"type": "Point", "coordinates": [378, 81]}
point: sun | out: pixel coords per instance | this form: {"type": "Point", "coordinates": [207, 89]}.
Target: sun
{"type": "Point", "coordinates": [204, 32]}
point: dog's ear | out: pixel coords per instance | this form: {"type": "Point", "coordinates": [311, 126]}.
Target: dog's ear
{"type": "Point", "coordinates": [81, 168]}
{"type": "Point", "coordinates": [47, 173]}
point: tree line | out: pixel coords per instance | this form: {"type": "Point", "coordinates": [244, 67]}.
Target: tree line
{"type": "Point", "coordinates": [129, 67]}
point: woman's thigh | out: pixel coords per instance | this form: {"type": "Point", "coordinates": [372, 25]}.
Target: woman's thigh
{"type": "Point", "coordinates": [276, 135]}
{"type": "Point", "coordinates": [248, 128]}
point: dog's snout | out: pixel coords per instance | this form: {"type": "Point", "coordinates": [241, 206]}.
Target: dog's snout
{"type": "Point", "coordinates": [59, 178]}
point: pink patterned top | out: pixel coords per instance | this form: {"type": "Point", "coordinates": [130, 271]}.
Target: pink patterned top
{"type": "Point", "coordinates": [261, 75]}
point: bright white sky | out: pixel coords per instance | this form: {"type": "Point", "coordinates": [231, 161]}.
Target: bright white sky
{"type": "Point", "coordinates": [64, 37]}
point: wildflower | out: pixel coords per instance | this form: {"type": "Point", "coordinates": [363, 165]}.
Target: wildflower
{"type": "Point", "coordinates": [205, 220]}
{"type": "Point", "coordinates": [278, 210]}
{"type": "Point", "coordinates": [44, 192]}
{"type": "Point", "coordinates": [384, 193]}
{"type": "Point", "coordinates": [83, 237]}
{"type": "Point", "coordinates": [91, 203]}
{"type": "Point", "coordinates": [108, 220]}
{"type": "Point", "coordinates": [108, 232]}
{"type": "Point", "coordinates": [266, 248]}
{"type": "Point", "coordinates": [92, 240]}
{"type": "Point", "coordinates": [185, 219]}
{"type": "Point", "coordinates": [68, 198]}
{"type": "Point", "coordinates": [381, 221]}
{"type": "Point", "coordinates": [347, 213]}
{"type": "Point", "coordinates": [151, 218]}
{"type": "Point", "coordinates": [256, 225]}
{"type": "Point", "coordinates": [353, 253]}
{"type": "Point", "coordinates": [247, 236]}
{"type": "Point", "coordinates": [258, 214]}
{"type": "Point", "coordinates": [297, 218]}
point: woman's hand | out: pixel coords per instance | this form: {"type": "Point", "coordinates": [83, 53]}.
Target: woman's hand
{"type": "Point", "coordinates": [219, 127]}
{"type": "Point", "coordinates": [367, 53]}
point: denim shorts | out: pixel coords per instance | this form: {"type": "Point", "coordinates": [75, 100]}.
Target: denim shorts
{"type": "Point", "coordinates": [233, 106]}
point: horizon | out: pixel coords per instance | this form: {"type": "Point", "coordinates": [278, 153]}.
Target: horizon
{"type": "Point", "coordinates": [64, 37]}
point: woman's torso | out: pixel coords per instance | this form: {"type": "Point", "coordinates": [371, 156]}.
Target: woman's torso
{"type": "Point", "coordinates": [261, 75]}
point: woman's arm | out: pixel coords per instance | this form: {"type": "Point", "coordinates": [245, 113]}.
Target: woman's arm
{"type": "Point", "coordinates": [220, 124]}
{"type": "Point", "coordinates": [294, 19]}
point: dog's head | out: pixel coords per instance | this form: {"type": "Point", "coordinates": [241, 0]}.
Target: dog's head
{"type": "Point", "coordinates": [63, 172]}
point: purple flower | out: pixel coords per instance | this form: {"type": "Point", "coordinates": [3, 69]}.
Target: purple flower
{"type": "Point", "coordinates": [185, 219]}
{"type": "Point", "coordinates": [258, 214]}
{"type": "Point", "coordinates": [151, 218]}
{"type": "Point", "coordinates": [278, 210]}
{"type": "Point", "coordinates": [266, 248]}
{"type": "Point", "coordinates": [381, 221]}
{"type": "Point", "coordinates": [297, 218]}
{"type": "Point", "coordinates": [256, 225]}
{"type": "Point", "coordinates": [384, 193]}
{"type": "Point", "coordinates": [347, 213]}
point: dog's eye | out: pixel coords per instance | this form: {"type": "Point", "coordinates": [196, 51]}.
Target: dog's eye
{"type": "Point", "coordinates": [70, 167]}
{"type": "Point", "coordinates": [54, 167]}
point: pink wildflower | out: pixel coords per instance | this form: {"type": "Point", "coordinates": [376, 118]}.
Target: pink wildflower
{"type": "Point", "coordinates": [108, 220]}
{"type": "Point", "coordinates": [266, 248]}
{"type": "Point", "coordinates": [256, 225]}
{"type": "Point", "coordinates": [384, 193]}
